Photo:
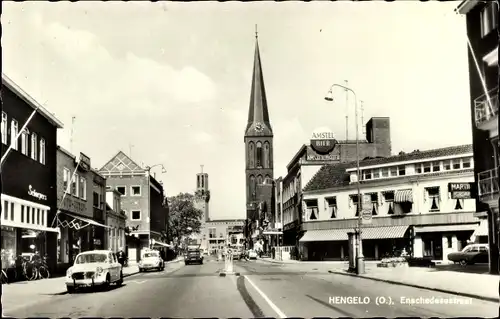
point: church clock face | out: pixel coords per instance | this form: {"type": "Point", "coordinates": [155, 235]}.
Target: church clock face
{"type": "Point", "coordinates": [259, 127]}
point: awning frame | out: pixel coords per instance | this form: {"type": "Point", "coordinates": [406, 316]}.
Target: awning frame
{"type": "Point", "coordinates": [403, 196]}
{"type": "Point", "coordinates": [77, 221]}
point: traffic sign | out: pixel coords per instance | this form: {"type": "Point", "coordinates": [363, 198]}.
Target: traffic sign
{"type": "Point", "coordinates": [366, 216]}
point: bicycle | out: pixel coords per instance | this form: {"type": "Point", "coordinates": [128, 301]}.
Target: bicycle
{"type": "Point", "coordinates": [41, 269]}
{"type": "Point", "coordinates": [4, 277]}
{"type": "Point", "coordinates": [27, 268]}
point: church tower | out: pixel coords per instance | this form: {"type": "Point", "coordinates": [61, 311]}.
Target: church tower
{"type": "Point", "coordinates": [201, 202]}
{"type": "Point", "coordinates": [258, 139]}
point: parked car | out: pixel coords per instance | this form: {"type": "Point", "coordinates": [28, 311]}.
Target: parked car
{"type": "Point", "coordinates": [94, 268]}
{"type": "Point", "coordinates": [471, 254]}
{"type": "Point", "coordinates": [252, 254]}
{"type": "Point", "coordinates": [151, 260]}
{"type": "Point", "coordinates": [193, 256]}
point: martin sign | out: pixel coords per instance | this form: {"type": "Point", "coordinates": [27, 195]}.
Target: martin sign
{"type": "Point", "coordinates": [462, 190]}
{"type": "Point", "coordinates": [37, 195]}
{"type": "Point", "coordinates": [323, 142]}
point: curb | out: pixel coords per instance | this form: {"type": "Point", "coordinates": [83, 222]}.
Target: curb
{"type": "Point", "coordinates": [463, 294]}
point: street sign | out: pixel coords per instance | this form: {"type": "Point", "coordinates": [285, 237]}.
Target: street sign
{"type": "Point", "coordinates": [367, 202]}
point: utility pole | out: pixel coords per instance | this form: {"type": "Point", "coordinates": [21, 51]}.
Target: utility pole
{"type": "Point", "coordinates": [71, 136]}
{"type": "Point", "coordinates": [346, 113]}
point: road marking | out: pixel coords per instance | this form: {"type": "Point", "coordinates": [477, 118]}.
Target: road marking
{"type": "Point", "coordinates": [139, 282]}
{"type": "Point", "coordinates": [263, 295]}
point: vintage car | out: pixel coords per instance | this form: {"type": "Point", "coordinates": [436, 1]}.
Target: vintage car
{"type": "Point", "coordinates": [252, 254]}
{"type": "Point", "coordinates": [94, 268]}
{"type": "Point", "coordinates": [193, 256]}
{"type": "Point", "coordinates": [151, 260]}
{"type": "Point", "coordinates": [471, 254]}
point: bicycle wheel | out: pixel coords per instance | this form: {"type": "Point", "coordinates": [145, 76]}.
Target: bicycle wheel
{"type": "Point", "coordinates": [29, 272]}
{"type": "Point", "coordinates": [43, 272]}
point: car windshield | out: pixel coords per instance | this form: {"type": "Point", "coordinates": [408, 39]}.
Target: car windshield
{"type": "Point", "coordinates": [90, 258]}
{"type": "Point", "coordinates": [146, 255]}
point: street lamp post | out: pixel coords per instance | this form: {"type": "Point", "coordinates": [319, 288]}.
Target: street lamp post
{"type": "Point", "coordinates": [360, 263]}
{"type": "Point", "coordinates": [148, 169]}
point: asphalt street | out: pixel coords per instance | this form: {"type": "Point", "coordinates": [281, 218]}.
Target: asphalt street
{"type": "Point", "coordinates": [262, 290]}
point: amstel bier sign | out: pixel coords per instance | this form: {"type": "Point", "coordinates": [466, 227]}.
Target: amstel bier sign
{"type": "Point", "coordinates": [323, 141]}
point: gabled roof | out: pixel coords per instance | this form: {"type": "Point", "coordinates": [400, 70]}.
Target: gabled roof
{"type": "Point", "coordinates": [258, 112]}
{"type": "Point", "coordinates": [335, 175]}
{"type": "Point", "coordinates": [121, 163]}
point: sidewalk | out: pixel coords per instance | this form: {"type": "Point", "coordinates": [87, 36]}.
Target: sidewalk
{"type": "Point", "coordinates": [24, 293]}
{"type": "Point", "coordinates": [472, 285]}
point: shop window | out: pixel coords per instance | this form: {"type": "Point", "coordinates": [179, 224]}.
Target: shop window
{"type": "Point", "coordinates": [136, 190]}
{"type": "Point", "coordinates": [8, 243]}
{"type": "Point", "coordinates": [122, 190]}
{"type": "Point", "coordinates": [136, 215]}
{"type": "Point", "coordinates": [4, 128]}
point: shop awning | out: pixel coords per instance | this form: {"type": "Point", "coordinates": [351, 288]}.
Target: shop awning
{"type": "Point", "coordinates": [445, 228]}
{"type": "Point", "coordinates": [482, 229]}
{"type": "Point", "coordinates": [388, 232]}
{"type": "Point", "coordinates": [403, 196]}
{"type": "Point", "coordinates": [339, 234]}
{"type": "Point", "coordinates": [77, 222]}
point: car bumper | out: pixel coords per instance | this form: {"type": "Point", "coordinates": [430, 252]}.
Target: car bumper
{"type": "Point", "coordinates": [91, 282]}
{"type": "Point", "coordinates": [193, 260]}
{"type": "Point", "coordinates": [147, 267]}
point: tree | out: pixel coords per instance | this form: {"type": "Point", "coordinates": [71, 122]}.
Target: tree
{"type": "Point", "coordinates": [184, 218]}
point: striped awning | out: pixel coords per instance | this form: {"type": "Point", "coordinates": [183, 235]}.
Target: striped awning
{"type": "Point", "coordinates": [326, 235]}
{"type": "Point", "coordinates": [445, 228]}
{"type": "Point", "coordinates": [403, 196]}
{"type": "Point", "coordinates": [388, 232]}
{"type": "Point", "coordinates": [482, 229]}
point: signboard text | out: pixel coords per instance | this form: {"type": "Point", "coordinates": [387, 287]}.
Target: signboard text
{"type": "Point", "coordinates": [37, 195]}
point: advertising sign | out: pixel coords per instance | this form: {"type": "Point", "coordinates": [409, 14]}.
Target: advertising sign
{"type": "Point", "coordinates": [461, 190]}
{"type": "Point", "coordinates": [323, 141]}
{"type": "Point", "coordinates": [366, 212]}
{"type": "Point", "coordinates": [37, 195]}
{"type": "Point", "coordinates": [84, 162]}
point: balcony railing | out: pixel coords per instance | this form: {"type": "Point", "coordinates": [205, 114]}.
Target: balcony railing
{"type": "Point", "coordinates": [488, 183]}
{"type": "Point", "coordinates": [484, 112]}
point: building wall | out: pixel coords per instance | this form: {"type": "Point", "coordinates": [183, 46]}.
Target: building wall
{"type": "Point", "coordinates": [130, 202]}
{"type": "Point", "coordinates": [158, 219]}
{"type": "Point", "coordinates": [421, 203]}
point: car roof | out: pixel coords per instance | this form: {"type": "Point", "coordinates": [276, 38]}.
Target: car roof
{"type": "Point", "coordinates": [95, 252]}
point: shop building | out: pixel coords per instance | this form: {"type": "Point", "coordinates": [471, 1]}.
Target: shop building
{"type": "Point", "coordinates": [29, 195]}
{"type": "Point", "coordinates": [142, 200]}
{"type": "Point", "coordinates": [307, 162]}
{"type": "Point", "coordinates": [422, 202]}
{"type": "Point", "coordinates": [482, 32]}
{"type": "Point", "coordinates": [218, 233]}
{"type": "Point", "coordinates": [116, 220]}
{"type": "Point", "coordinates": [80, 217]}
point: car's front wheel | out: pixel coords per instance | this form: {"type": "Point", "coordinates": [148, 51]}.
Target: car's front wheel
{"type": "Point", "coordinates": [70, 289]}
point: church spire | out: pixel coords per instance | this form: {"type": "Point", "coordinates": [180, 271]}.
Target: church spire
{"type": "Point", "coordinates": [258, 114]}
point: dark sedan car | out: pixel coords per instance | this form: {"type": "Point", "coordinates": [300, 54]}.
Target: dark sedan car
{"type": "Point", "coordinates": [193, 257]}
{"type": "Point", "coordinates": [471, 254]}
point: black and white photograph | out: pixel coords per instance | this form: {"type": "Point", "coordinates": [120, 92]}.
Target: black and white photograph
{"type": "Point", "coordinates": [259, 159]}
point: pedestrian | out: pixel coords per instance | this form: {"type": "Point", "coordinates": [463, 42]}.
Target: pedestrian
{"type": "Point", "coordinates": [121, 256]}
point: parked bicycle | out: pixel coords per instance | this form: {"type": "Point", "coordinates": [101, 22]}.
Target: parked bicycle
{"type": "Point", "coordinates": [41, 269]}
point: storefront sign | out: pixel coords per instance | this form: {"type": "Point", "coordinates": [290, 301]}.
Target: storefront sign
{"type": "Point", "coordinates": [37, 195]}
{"type": "Point", "coordinates": [291, 225]}
{"type": "Point", "coordinates": [313, 156]}
{"type": "Point", "coordinates": [84, 162]}
{"type": "Point", "coordinates": [323, 142]}
{"type": "Point", "coordinates": [461, 190]}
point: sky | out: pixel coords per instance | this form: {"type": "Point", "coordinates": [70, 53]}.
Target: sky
{"type": "Point", "coordinates": [169, 83]}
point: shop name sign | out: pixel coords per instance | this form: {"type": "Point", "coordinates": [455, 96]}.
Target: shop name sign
{"type": "Point", "coordinates": [461, 190]}
{"type": "Point", "coordinates": [323, 142]}
{"type": "Point", "coordinates": [84, 162]}
{"type": "Point", "coordinates": [37, 195]}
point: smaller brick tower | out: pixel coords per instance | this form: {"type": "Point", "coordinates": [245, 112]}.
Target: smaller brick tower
{"type": "Point", "coordinates": [202, 200]}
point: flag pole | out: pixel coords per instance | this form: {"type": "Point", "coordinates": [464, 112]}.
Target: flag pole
{"type": "Point", "coordinates": [21, 131]}
{"type": "Point", "coordinates": [483, 82]}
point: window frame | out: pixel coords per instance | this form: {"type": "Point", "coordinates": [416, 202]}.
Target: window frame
{"type": "Point", "coordinates": [140, 189]}
{"type": "Point", "coordinates": [124, 190]}
{"type": "Point", "coordinates": [42, 151]}
{"type": "Point", "coordinates": [132, 214]}
{"type": "Point", "coordinates": [83, 187]}
{"type": "Point", "coordinates": [25, 142]}
{"type": "Point", "coordinates": [331, 205]}
{"type": "Point", "coordinates": [67, 187]}
{"type": "Point", "coordinates": [14, 130]}
{"type": "Point", "coordinates": [75, 182]}
{"type": "Point", "coordinates": [34, 146]}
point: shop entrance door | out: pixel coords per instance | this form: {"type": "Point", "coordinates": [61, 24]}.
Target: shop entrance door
{"type": "Point", "coordinates": [433, 245]}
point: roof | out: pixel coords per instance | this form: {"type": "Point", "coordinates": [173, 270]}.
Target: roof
{"type": "Point", "coordinates": [258, 112]}
{"type": "Point", "coordinates": [335, 175]}
{"type": "Point", "coordinates": [11, 85]}
{"type": "Point", "coordinates": [297, 156]}
{"type": "Point", "coordinates": [465, 6]}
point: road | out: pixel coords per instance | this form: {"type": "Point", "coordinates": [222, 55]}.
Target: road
{"type": "Point", "coordinates": [263, 289]}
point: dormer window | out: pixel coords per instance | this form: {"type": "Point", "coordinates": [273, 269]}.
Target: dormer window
{"type": "Point", "coordinates": [312, 212]}
{"type": "Point", "coordinates": [332, 206]}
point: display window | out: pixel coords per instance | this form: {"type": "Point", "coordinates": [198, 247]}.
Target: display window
{"type": "Point", "coordinates": [8, 247]}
